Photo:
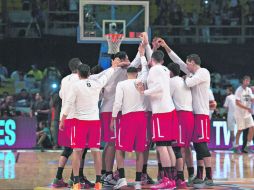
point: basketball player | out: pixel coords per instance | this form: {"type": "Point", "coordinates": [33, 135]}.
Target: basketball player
{"type": "Point", "coordinates": [229, 105]}
{"type": "Point", "coordinates": [86, 129]}
{"type": "Point", "coordinates": [108, 136]}
{"type": "Point", "coordinates": [182, 98]}
{"type": "Point", "coordinates": [198, 79]}
{"type": "Point", "coordinates": [63, 93]}
{"type": "Point", "coordinates": [164, 116]}
{"type": "Point", "coordinates": [243, 117]}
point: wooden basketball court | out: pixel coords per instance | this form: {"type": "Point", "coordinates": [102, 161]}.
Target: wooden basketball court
{"type": "Point", "coordinates": [25, 170]}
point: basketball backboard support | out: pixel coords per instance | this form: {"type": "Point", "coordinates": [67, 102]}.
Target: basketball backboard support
{"type": "Point", "coordinates": [97, 18]}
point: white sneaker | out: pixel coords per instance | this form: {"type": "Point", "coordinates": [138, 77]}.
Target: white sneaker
{"type": "Point", "coordinates": [109, 181]}
{"type": "Point", "coordinates": [103, 178]}
{"type": "Point", "coordinates": [120, 183]}
{"type": "Point", "coordinates": [137, 185]}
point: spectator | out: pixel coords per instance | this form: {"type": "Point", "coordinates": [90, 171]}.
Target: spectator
{"type": "Point", "coordinates": [3, 71]}
{"type": "Point", "coordinates": [43, 136]}
{"type": "Point", "coordinates": [7, 107]}
{"type": "Point", "coordinates": [40, 108]}
{"type": "Point", "coordinates": [17, 75]}
{"type": "Point", "coordinates": [36, 73]}
{"type": "Point", "coordinates": [23, 99]}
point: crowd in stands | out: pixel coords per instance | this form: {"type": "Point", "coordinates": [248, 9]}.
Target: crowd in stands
{"type": "Point", "coordinates": [35, 95]}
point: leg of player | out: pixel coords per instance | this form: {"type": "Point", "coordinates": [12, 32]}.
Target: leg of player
{"type": "Point", "coordinates": [167, 181]}
{"type": "Point", "coordinates": [180, 182]}
{"type": "Point", "coordinates": [146, 179]}
{"type": "Point", "coordinates": [160, 174]}
{"type": "Point", "coordinates": [249, 139]}
{"type": "Point", "coordinates": [236, 148]}
{"type": "Point", "coordinates": [97, 166]}
{"type": "Point", "coordinates": [139, 165]}
{"type": "Point", "coordinates": [189, 163]}
{"type": "Point", "coordinates": [77, 155]}
{"type": "Point", "coordinates": [172, 169]}
{"type": "Point", "coordinates": [83, 180]}
{"type": "Point", "coordinates": [58, 181]}
{"type": "Point", "coordinates": [122, 182]}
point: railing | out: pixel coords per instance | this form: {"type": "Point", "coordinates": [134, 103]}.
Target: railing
{"type": "Point", "coordinates": [205, 33]}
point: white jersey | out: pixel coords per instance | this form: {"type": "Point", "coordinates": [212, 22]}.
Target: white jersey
{"type": "Point", "coordinates": [159, 89]}
{"type": "Point", "coordinates": [245, 96]}
{"type": "Point", "coordinates": [230, 105]}
{"type": "Point", "coordinates": [181, 94]}
{"type": "Point", "coordinates": [199, 83]}
{"type": "Point", "coordinates": [110, 88]}
{"type": "Point", "coordinates": [127, 98]}
{"type": "Point", "coordinates": [66, 83]}
{"type": "Point", "coordinates": [84, 96]}
{"type": "Point", "coordinates": [200, 86]}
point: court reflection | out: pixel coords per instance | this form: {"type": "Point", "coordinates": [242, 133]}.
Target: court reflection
{"type": "Point", "coordinates": [7, 165]}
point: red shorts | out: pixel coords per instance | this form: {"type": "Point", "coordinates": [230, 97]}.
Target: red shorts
{"type": "Point", "coordinates": [149, 126]}
{"type": "Point", "coordinates": [165, 126]}
{"type": "Point", "coordinates": [106, 133]}
{"type": "Point", "coordinates": [201, 128]}
{"type": "Point", "coordinates": [185, 128]}
{"type": "Point", "coordinates": [132, 132]}
{"type": "Point", "coordinates": [86, 134]}
{"type": "Point", "coordinates": [64, 135]}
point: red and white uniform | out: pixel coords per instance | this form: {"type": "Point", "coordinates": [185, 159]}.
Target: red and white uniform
{"type": "Point", "coordinates": [108, 100]}
{"type": "Point", "coordinates": [199, 83]}
{"type": "Point", "coordinates": [132, 131]}
{"type": "Point", "coordinates": [182, 98]}
{"type": "Point", "coordinates": [164, 115]}
{"type": "Point", "coordinates": [63, 135]}
{"type": "Point", "coordinates": [84, 96]}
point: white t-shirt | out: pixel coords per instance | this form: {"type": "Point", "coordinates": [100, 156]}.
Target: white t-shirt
{"type": "Point", "coordinates": [159, 89]}
{"type": "Point", "coordinates": [66, 83]}
{"type": "Point", "coordinates": [84, 97]}
{"type": "Point", "coordinates": [108, 95]}
{"type": "Point", "coordinates": [245, 96]}
{"type": "Point", "coordinates": [199, 83]}
{"type": "Point", "coordinates": [127, 98]}
{"type": "Point", "coordinates": [181, 94]}
{"type": "Point", "coordinates": [200, 86]}
{"type": "Point", "coordinates": [230, 104]}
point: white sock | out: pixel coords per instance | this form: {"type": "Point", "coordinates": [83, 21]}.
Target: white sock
{"type": "Point", "coordinates": [235, 145]}
{"type": "Point", "coordinates": [248, 144]}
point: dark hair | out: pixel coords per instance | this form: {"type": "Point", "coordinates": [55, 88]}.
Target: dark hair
{"type": "Point", "coordinates": [246, 77]}
{"type": "Point", "coordinates": [84, 70]}
{"type": "Point", "coordinates": [158, 56]}
{"type": "Point", "coordinates": [74, 63]}
{"type": "Point", "coordinates": [230, 88]}
{"type": "Point", "coordinates": [132, 70]}
{"type": "Point", "coordinates": [174, 68]}
{"type": "Point", "coordinates": [195, 58]}
{"type": "Point", "coordinates": [121, 55]}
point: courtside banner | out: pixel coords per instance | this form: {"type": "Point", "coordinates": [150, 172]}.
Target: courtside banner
{"type": "Point", "coordinates": [17, 133]}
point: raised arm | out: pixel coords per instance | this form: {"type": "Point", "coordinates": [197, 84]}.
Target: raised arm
{"type": "Point", "coordinates": [173, 56]}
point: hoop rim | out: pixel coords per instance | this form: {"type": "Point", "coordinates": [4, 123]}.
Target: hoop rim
{"type": "Point", "coordinates": [114, 37]}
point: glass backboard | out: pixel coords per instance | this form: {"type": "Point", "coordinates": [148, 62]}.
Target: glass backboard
{"type": "Point", "coordinates": [97, 18]}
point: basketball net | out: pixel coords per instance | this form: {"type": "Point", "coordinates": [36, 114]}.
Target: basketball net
{"type": "Point", "coordinates": [114, 42]}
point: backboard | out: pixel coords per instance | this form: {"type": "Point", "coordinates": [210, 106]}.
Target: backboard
{"type": "Point", "coordinates": [97, 18]}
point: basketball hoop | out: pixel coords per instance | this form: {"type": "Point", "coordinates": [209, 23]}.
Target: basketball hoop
{"type": "Point", "coordinates": [114, 42]}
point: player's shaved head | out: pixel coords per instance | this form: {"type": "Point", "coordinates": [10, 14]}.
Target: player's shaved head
{"type": "Point", "coordinates": [132, 70]}
{"type": "Point", "coordinates": [121, 55]}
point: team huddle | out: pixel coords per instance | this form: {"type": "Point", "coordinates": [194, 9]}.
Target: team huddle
{"type": "Point", "coordinates": [131, 105]}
